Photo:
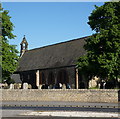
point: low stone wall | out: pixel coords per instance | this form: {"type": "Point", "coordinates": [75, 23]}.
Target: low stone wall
{"type": "Point", "coordinates": [80, 95]}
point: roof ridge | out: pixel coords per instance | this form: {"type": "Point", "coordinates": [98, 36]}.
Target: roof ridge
{"type": "Point", "coordinates": [57, 43]}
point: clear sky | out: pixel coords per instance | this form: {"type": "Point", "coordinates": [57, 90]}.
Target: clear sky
{"type": "Point", "coordinates": [46, 23]}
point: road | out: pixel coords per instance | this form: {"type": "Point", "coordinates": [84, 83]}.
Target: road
{"type": "Point", "coordinates": [15, 109]}
{"type": "Point", "coordinates": [56, 118]}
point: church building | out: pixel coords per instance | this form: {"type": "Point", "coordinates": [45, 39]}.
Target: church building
{"type": "Point", "coordinates": [52, 64]}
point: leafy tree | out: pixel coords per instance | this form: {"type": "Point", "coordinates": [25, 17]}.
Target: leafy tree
{"type": "Point", "coordinates": [103, 47]}
{"type": "Point", "coordinates": [9, 52]}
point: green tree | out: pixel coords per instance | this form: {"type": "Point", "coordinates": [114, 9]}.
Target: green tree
{"type": "Point", "coordinates": [103, 47]}
{"type": "Point", "coordinates": [9, 52]}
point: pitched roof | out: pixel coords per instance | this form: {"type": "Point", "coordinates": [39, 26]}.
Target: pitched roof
{"type": "Point", "coordinates": [53, 56]}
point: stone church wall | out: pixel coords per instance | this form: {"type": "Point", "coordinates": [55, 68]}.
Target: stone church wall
{"type": "Point", "coordinates": [66, 75]}
{"type": "Point", "coordinates": [69, 75]}
{"type": "Point", "coordinates": [76, 95]}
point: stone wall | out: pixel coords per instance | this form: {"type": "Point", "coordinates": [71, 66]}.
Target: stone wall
{"type": "Point", "coordinates": [80, 95]}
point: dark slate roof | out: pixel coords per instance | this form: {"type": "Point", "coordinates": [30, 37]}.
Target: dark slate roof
{"type": "Point", "coordinates": [53, 56]}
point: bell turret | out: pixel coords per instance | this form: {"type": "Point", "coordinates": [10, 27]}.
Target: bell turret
{"type": "Point", "coordinates": [24, 46]}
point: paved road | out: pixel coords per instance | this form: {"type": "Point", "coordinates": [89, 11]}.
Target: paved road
{"type": "Point", "coordinates": [56, 118]}
{"type": "Point", "coordinates": [14, 109]}
{"type": "Point", "coordinates": [115, 110]}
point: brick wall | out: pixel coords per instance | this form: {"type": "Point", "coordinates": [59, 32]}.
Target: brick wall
{"type": "Point", "coordinates": [80, 95]}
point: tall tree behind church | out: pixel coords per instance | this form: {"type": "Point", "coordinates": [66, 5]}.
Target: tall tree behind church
{"type": "Point", "coordinates": [103, 47]}
{"type": "Point", "coordinates": [9, 52]}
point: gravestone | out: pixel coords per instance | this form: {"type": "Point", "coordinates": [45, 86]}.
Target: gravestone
{"type": "Point", "coordinates": [68, 86]}
{"type": "Point", "coordinates": [60, 85]}
{"type": "Point", "coordinates": [99, 85]}
{"type": "Point", "coordinates": [11, 86]}
{"type": "Point", "coordinates": [50, 86]}
{"type": "Point", "coordinates": [104, 85]}
{"type": "Point", "coordinates": [29, 86]}
{"type": "Point", "coordinates": [15, 86]}
{"type": "Point", "coordinates": [73, 86]}
{"type": "Point", "coordinates": [25, 85]}
{"type": "Point", "coordinates": [19, 85]}
{"type": "Point", "coordinates": [6, 86]}
{"type": "Point", "coordinates": [40, 86]}
{"type": "Point", "coordinates": [63, 86]}
{"type": "Point", "coordinates": [92, 83]}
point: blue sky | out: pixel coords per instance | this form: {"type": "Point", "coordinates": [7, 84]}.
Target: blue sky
{"type": "Point", "coordinates": [46, 23]}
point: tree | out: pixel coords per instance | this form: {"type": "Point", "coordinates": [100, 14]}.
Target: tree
{"type": "Point", "coordinates": [103, 47]}
{"type": "Point", "coordinates": [9, 52]}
